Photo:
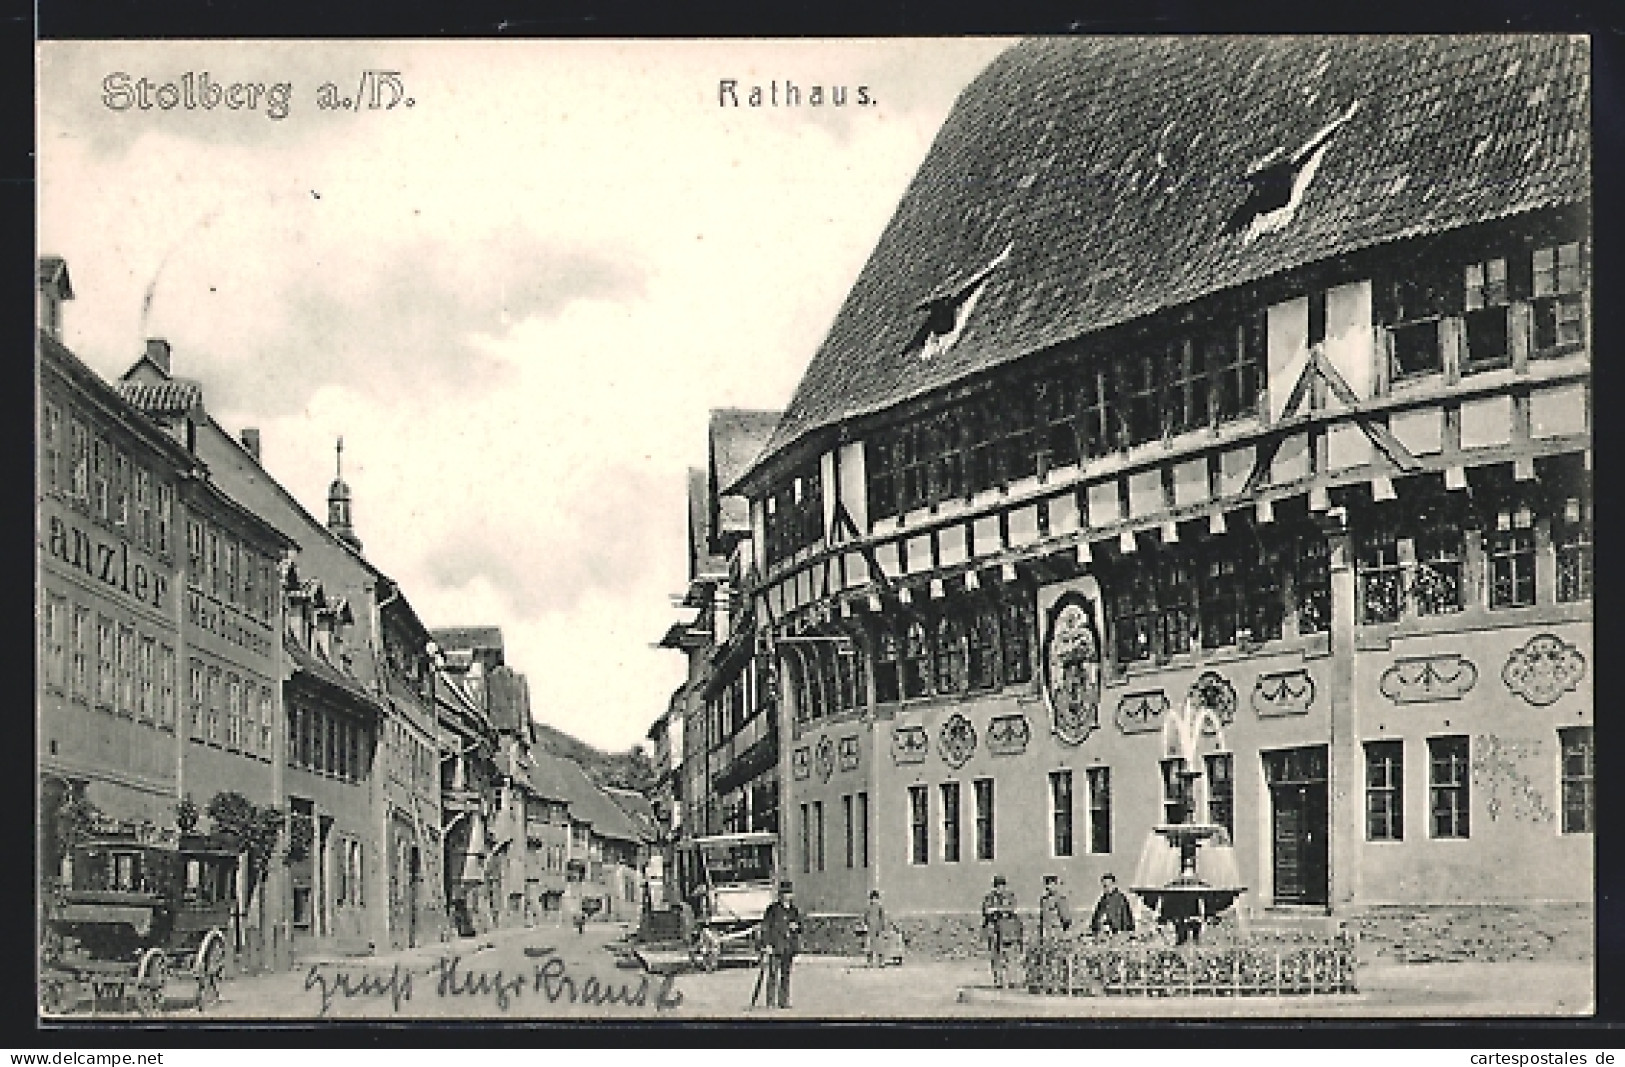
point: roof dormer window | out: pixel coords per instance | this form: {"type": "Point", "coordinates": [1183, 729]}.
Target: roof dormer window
{"type": "Point", "coordinates": [949, 308]}
{"type": "Point", "coordinates": [1279, 180]}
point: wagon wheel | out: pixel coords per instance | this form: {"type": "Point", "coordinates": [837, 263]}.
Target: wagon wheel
{"type": "Point", "coordinates": [707, 950]}
{"type": "Point", "coordinates": [150, 981]}
{"type": "Point", "coordinates": [209, 965]}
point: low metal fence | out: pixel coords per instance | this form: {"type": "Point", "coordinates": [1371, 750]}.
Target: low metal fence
{"type": "Point", "coordinates": [1268, 968]}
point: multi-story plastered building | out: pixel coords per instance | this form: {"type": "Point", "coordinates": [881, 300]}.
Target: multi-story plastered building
{"type": "Point", "coordinates": [358, 756]}
{"type": "Point", "coordinates": [161, 652]}
{"type": "Point", "coordinates": [1245, 374]}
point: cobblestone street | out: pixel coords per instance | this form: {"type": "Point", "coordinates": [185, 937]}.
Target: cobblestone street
{"type": "Point", "coordinates": [552, 972]}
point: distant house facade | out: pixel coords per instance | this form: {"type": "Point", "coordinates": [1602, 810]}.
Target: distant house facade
{"type": "Point", "coordinates": [1246, 375]}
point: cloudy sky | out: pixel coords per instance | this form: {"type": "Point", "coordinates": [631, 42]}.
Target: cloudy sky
{"type": "Point", "coordinates": [516, 298]}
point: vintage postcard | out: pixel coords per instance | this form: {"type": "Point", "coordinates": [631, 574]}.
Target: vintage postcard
{"type": "Point", "coordinates": [1084, 528]}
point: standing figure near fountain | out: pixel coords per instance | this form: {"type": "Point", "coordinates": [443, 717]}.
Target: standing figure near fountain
{"type": "Point", "coordinates": [1001, 926]}
{"type": "Point", "coordinates": [1048, 966]}
{"type": "Point", "coordinates": [1113, 913]}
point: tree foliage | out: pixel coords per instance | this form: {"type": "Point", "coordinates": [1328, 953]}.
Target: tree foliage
{"type": "Point", "coordinates": [252, 828]}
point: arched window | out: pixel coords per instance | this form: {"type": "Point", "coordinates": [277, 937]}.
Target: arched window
{"type": "Point", "coordinates": [950, 655]}
{"type": "Point", "coordinates": [916, 660]}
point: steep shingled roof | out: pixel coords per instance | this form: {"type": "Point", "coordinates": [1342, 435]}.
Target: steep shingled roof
{"type": "Point", "coordinates": [1112, 169]}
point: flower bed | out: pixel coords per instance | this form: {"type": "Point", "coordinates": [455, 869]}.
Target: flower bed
{"type": "Point", "coordinates": [1273, 968]}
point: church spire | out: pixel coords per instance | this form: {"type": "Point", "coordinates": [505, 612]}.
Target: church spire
{"type": "Point", "coordinates": [339, 519]}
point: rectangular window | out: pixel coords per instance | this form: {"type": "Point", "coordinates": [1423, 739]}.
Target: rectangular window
{"type": "Point", "coordinates": [983, 640]}
{"type": "Point", "coordinates": [950, 655]}
{"type": "Point", "coordinates": [1223, 593]}
{"type": "Point", "coordinates": [1572, 544]}
{"type": "Point", "coordinates": [984, 818]}
{"type": "Point", "coordinates": [806, 839]}
{"type": "Point", "coordinates": [106, 680]}
{"type": "Point", "coordinates": [1511, 551]}
{"type": "Point", "coordinates": [51, 445]}
{"type": "Point", "coordinates": [1176, 607]}
{"type": "Point", "coordinates": [1377, 567]}
{"type": "Point", "coordinates": [1017, 631]}
{"type": "Point", "coordinates": [1139, 387]}
{"type": "Point", "coordinates": [81, 652]}
{"type": "Point", "coordinates": [121, 488]}
{"type": "Point", "coordinates": [99, 475]}
{"type": "Point", "coordinates": [195, 569]}
{"type": "Point", "coordinates": [166, 687]}
{"type": "Point", "coordinates": [196, 700]}
{"type": "Point", "coordinates": [863, 829]}
{"type": "Point", "coordinates": [916, 662]}
{"type": "Point", "coordinates": [1060, 794]}
{"type": "Point", "coordinates": [919, 824]}
{"type": "Point", "coordinates": [211, 723]}
{"type": "Point", "coordinates": [145, 671]}
{"type": "Point", "coordinates": [228, 559]}
{"type": "Point", "coordinates": [1485, 320]}
{"type": "Point", "coordinates": [851, 837]}
{"type": "Point", "coordinates": [818, 829]}
{"type": "Point", "coordinates": [1447, 785]}
{"type": "Point", "coordinates": [1175, 802]}
{"type": "Point", "coordinates": [1094, 418]}
{"type": "Point", "coordinates": [1384, 790]}
{"type": "Point", "coordinates": [126, 671]}
{"type": "Point", "coordinates": [1439, 555]}
{"type": "Point", "coordinates": [888, 653]}
{"type": "Point", "coordinates": [950, 822]}
{"type": "Point", "coordinates": [143, 507]}
{"type": "Point", "coordinates": [1100, 809]}
{"type": "Point", "coordinates": [1312, 581]}
{"type": "Point", "coordinates": [1221, 792]}
{"type": "Point", "coordinates": [1578, 779]}
{"type": "Point", "coordinates": [1057, 407]}
{"type": "Point", "coordinates": [211, 561]}
{"type": "Point", "coordinates": [1558, 306]}
{"type": "Point", "coordinates": [1187, 387]}
{"type": "Point", "coordinates": [55, 643]}
{"type": "Point", "coordinates": [166, 505]}
{"type": "Point", "coordinates": [1133, 602]}
{"type": "Point", "coordinates": [78, 460]}
{"type": "Point", "coordinates": [1233, 359]}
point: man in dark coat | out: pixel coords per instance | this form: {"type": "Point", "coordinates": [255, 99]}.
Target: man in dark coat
{"type": "Point", "coordinates": [1002, 928]}
{"type": "Point", "coordinates": [1113, 914]}
{"type": "Point", "coordinates": [781, 940]}
{"type": "Point", "coordinates": [1054, 920]}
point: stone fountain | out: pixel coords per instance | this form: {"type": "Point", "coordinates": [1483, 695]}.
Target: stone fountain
{"type": "Point", "coordinates": [1196, 893]}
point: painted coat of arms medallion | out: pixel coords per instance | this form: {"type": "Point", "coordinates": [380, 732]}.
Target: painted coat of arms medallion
{"type": "Point", "coordinates": [1072, 669]}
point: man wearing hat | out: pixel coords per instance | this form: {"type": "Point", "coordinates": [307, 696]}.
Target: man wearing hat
{"type": "Point", "coordinates": [1112, 915]}
{"type": "Point", "coordinates": [781, 940]}
{"type": "Point", "coordinates": [1054, 920]}
{"type": "Point", "coordinates": [1001, 926]}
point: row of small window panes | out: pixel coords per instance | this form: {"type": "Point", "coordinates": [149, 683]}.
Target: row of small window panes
{"type": "Point", "coordinates": [828, 679]}
{"type": "Point", "coordinates": [919, 815]}
{"type": "Point", "coordinates": [1076, 411]}
{"type": "Point", "coordinates": [1449, 785]}
{"type": "Point", "coordinates": [97, 475]}
{"type": "Point", "coordinates": [1430, 531]}
{"type": "Point", "coordinates": [410, 759]}
{"type": "Point", "coordinates": [969, 644]}
{"type": "Point", "coordinates": [1551, 279]}
{"type": "Point", "coordinates": [328, 744]}
{"type": "Point", "coordinates": [795, 514]}
{"type": "Point", "coordinates": [1168, 600]}
{"type": "Point", "coordinates": [219, 565]}
{"type": "Point", "coordinates": [134, 671]}
{"type": "Point", "coordinates": [229, 710]}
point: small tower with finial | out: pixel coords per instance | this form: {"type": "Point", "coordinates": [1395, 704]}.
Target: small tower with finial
{"type": "Point", "coordinates": [339, 520]}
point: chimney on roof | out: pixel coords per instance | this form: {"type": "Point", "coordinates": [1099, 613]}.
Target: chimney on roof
{"type": "Point", "coordinates": [54, 288]}
{"type": "Point", "coordinates": [158, 354]}
{"type": "Point", "coordinates": [251, 442]}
